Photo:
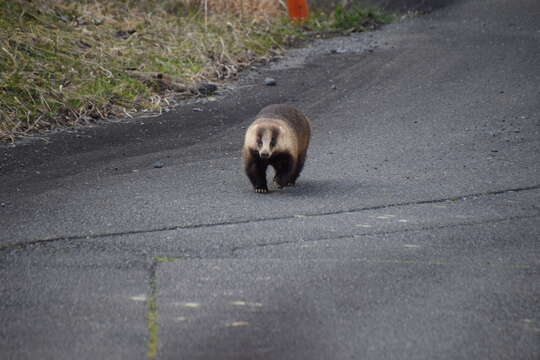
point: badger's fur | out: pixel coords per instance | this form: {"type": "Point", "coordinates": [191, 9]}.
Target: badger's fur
{"type": "Point", "coordinates": [279, 137]}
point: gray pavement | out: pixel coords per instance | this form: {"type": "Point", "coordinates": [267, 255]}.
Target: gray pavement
{"type": "Point", "coordinates": [412, 234]}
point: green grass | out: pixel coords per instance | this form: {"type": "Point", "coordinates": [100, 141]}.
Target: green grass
{"type": "Point", "coordinates": [359, 19]}
{"type": "Point", "coordinates": [64, 63]}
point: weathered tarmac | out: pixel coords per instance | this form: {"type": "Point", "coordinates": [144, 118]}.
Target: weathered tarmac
{"type": "Point", "coordinates": [411, 234]}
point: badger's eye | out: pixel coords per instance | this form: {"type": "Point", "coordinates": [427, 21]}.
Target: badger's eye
{"type": "Point", "coordinates": [259, 143]}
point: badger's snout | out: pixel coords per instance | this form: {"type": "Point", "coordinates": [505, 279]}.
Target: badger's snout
{"type": "Point", "coordinates": [264, 154]}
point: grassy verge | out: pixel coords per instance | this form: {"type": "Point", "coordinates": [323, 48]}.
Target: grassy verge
{"type": "Point", "coordinates": [65, 63]}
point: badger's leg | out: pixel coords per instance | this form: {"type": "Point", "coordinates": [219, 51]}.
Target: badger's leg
{"type": "Point", "coordinates": [298, 170]}
{"type": "Point", "coordinates": [284, 166]}
{"type": "Point", "coordinates": [256, 172]}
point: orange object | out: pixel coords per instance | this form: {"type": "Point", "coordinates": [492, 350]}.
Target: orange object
{"type": "Point", "coordinates": [298, 9]}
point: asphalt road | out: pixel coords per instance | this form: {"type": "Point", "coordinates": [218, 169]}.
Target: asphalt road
{"type": "Point", "coordinates": [413, 232]}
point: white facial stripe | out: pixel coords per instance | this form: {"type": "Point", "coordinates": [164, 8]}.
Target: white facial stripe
{"type": "Point", "coordinates": [266, 139]}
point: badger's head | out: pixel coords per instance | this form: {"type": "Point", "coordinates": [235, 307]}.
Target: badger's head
{"type": "Point", "coordinates": [266, 140]}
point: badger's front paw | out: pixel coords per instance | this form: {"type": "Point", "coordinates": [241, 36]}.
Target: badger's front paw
{"type": "Point", "coordinates": [261, 190]}
{"type": "Point", "coordinates": [280, 182]}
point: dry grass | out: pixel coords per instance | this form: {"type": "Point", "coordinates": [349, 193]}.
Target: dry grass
{"type": "Point", "coordinates": [254, 9]}
{"type": "Point", "coordinates": [67, 62]}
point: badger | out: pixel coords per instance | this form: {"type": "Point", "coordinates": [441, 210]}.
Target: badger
{"type": "Point", "coordinates": [279, 136]}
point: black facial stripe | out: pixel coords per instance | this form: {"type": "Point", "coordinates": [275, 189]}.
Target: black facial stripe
{"type": "Point", "coordinates": [275, 134]}
{"type": "Point", "coordinates": [258, 137]}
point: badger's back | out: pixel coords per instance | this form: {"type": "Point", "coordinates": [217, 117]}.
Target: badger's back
{"type": "Point", "coordinates": [294, 118]}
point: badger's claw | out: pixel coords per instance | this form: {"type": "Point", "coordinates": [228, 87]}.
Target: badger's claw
{"type": "Point", "coordinates": [279, 184]}
{"type": "Point", "coordinates": [283, 184]}
{"type": "Point", "coordinates": [261, 190]}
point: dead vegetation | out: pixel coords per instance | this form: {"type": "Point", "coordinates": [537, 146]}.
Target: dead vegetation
{"type": "Point", "coordinates": [252, 9]}
{"type": "Point", "coordinates": [66, 62]}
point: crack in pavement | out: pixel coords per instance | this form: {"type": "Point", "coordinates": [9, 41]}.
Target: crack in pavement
{"type": "Point", "coordinates": [375, 233]}
{"type": "Point", "coordinates": [152, 312]}
{"type": "Point", "coordinates": [24, 244]}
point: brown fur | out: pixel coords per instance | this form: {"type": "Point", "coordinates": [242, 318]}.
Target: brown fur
{"type": "Point", "coordinates": [282, 133]}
